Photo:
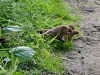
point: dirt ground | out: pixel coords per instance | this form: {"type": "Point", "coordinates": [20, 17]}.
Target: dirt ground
{"type": "Point", "coordinates": [85, 58]}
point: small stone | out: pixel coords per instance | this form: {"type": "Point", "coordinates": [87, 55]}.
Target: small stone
{"type": "Point", "coordinates": [97, 2]}
{"type": "Point", "coordinates": [79, 51]}
{"type": "Point", "coordinates": [82, 62]}
{"type": "Point", "coordinates": [82, 57]}
{"type": "Point", "coordinates": [99, 28]}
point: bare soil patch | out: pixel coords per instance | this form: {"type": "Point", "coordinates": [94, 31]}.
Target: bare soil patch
{"type": "Point", "coordinates": [85, 58]}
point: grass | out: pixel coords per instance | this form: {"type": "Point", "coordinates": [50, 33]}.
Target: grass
{"type": "Point", "coordinates": [31, 15]}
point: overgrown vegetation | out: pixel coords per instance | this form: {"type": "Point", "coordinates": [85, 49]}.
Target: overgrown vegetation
{"type": "Point", "coordinates": [31, 15]}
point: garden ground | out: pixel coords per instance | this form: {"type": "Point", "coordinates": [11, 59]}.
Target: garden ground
{"type": "Point", "coordinates": [84, 59]}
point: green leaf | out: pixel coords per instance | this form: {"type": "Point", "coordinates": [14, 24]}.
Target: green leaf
{"type": "Point", "coordinates": [4, 54]}
{"type": "Point", "coordinates": [18, 73]}
{"type": "Point", "coordinates": [23, 53]}
{"type": "Point", "coordinates": [10, 29]}
{"type": "Point", "coordinates": [52, 39]}
{"type": "Point", "coordinates": [7, 59]}
{"type": "Point", "coordinates": [0, 33]}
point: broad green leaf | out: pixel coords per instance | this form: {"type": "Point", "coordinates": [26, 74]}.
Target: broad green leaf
{"type": "Point", "coordinates": [23, 53]}
{"type": "Point", "coordinates": [10, 29]}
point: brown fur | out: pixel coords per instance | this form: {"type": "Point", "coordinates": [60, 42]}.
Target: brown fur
{"type": "Point", "coordinates": [63, 37]}
{"type": "Point", "coordinates": [57, 31]}
{"type": "Point", "coordinates": [62, 32]}
{"type": "Point", "coordinates": [74, 32]}
{"type": "Point", "coordinates": [71, 26]}
{"type": "Point", "coordinates": [42, 31]}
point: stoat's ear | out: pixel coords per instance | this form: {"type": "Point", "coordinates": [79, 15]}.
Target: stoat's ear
{"type": "Point", "coordinates": [71, 26]}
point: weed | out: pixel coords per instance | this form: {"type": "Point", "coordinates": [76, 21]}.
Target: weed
{"type": "Point", "coordinates": [31, 15]}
